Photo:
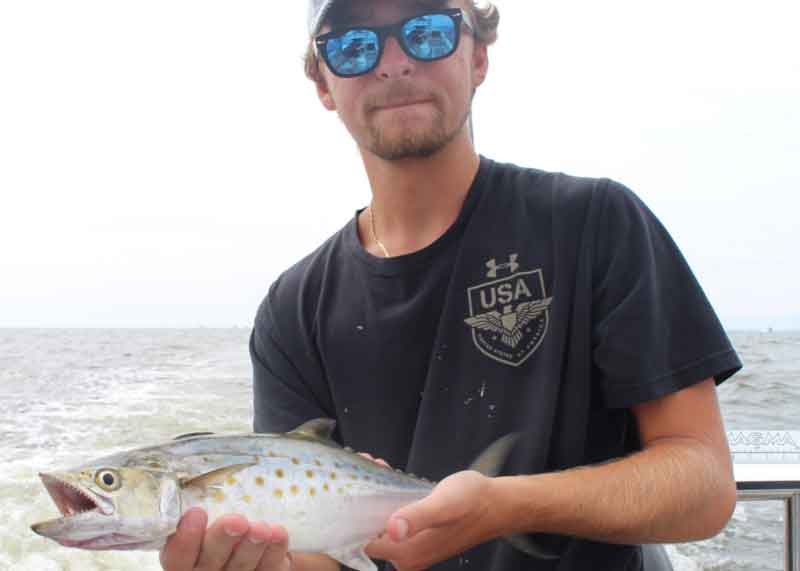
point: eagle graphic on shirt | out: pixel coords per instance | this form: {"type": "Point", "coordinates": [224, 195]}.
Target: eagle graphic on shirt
{"type": "Point", "coordinates": [508, 313]}
{"type": "Point", "coordinates": [510, 324]}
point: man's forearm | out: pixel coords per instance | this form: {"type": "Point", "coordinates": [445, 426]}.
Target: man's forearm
{"type": "Point", "coordinates": [674, 491]}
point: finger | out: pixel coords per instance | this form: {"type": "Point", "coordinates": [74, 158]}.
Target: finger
{"type": "Point", "coordinates": [183, 548]}
{"type": "Point", "coordinates": [433, 511]}
{"type": "Point", "coordinates": [380, 461]}
{"type": "Point", "coordinates": [248, 552]}
{"type": "Point", "coordinates": [223, 535]}
{"type": "Point", "coordinates": [451, 499]}
{"type": "Point", "coordinates": [418, 552]}
{"type": "Point", "coordinates": [275, 555]}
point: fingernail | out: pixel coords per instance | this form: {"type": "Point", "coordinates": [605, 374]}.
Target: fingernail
{"type": "Point", "coordinates": [194, 520]}
{"type": "Point", "coordinates": [401, 526]}
{"type": "Point", "coordinates": [233, 532]}
{"type": "Point", "coordinates": [256, 540]}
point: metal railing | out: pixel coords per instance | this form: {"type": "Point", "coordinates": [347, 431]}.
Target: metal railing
{"type": "Point", "coordinates": [767, 467]}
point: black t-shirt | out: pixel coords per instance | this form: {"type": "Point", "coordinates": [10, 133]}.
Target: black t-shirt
{"type": "Point", "coordinates": [551, 306]}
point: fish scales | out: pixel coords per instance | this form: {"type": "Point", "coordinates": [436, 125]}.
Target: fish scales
{"type": "Point", "coordinates": [301, 480]}
{"type": "Point", "coordinates": [302, 495]}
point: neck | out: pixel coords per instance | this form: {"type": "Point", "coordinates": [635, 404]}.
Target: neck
{"type": "Point", "coordinates": [414, 201]}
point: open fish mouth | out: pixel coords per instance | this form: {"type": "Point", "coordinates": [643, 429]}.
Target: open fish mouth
{"type": "Point", "coordinates": [85, 519]}
{"type": "Point", "coordinates": [79, 510]}
{"type": "Point", "coordinates": [70, 500]}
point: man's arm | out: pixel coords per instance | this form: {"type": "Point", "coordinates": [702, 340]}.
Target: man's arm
{"type": "Point", "coordinates": [680, 487]}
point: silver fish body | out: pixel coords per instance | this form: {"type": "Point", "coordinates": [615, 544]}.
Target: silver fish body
{"type": "Point", "coordinates": [329, 499]}
{"type": "Point", "coordinates": [325, 497]}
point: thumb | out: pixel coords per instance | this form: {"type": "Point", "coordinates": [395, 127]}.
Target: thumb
{"type": "Point", "coordinates": [421, 515]}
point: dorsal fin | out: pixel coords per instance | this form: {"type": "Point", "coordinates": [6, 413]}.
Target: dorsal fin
{"type": "Point", "coordinates": [190, 434]}
{"type": "Point", "coordinates": [317, 429]}
{"type": "Point", "coordinates": [214, 477]}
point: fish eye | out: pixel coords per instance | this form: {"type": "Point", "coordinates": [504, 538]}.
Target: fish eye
{"type": "Point", "coordinates": [108, 479]}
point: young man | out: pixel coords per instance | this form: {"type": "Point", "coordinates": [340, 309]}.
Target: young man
{"type": "Point", "coordinates": [472, 299]}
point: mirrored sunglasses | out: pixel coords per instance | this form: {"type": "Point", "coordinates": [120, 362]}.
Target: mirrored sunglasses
{"type": "Point", "coordinates": [425, 37]}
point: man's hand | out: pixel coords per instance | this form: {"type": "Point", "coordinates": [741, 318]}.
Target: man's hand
{"type": "Point", "coordinates": [457, 515]}
{"type": "Point", "coordinates": [231, 543]}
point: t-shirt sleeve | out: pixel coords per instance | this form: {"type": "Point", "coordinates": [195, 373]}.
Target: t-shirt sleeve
{"type": "Point", "coordinates": [282, 398]}
{"type": "Point", "coordinates": [654, 331]}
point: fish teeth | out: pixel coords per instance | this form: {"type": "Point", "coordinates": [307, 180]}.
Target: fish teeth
{"type": "Point", "coordinates": [70, 505]}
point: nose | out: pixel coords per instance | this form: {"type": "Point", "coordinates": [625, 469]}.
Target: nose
{"type": "Point", "coordinates": [394, 62]}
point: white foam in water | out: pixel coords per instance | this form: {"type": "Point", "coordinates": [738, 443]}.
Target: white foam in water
{"type": "Point", "coordinates": [681, 562]}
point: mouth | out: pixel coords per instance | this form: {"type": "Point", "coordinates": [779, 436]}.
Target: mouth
{"type": "Point", "coordinates": [77, 508]}
{"type": "Point", "coordinates": [70, 500]}
{"type": "Point", "coordinates": [84, 523]}
{"type": "Point", "coordinates": [401, 104]}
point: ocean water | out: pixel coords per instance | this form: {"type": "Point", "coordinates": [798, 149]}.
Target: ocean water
{"type": "Point", "coordinates": [66, 395]}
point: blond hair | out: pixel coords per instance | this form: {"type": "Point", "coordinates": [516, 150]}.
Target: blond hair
{"type": "Point", "coordinates": [484, 16]}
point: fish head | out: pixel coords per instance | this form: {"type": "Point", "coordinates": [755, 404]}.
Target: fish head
{"type": "Point", "coordinates": [105, 507]}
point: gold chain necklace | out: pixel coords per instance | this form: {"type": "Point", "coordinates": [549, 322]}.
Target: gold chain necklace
{"type": "Point", "coordinates": [374, 234]}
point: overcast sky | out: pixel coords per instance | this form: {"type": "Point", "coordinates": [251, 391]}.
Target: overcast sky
{"type": "Point", "coordinates": [162, 161]}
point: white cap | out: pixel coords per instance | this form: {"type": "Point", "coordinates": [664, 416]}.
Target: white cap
{"type": "Point", "coordinates": [317, 10]}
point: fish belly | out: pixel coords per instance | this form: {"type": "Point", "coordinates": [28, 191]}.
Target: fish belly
{"type": "Point", "coordinates": [322, 508]}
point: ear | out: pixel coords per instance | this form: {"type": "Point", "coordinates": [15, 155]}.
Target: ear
{"type": "Point", "coordinates": [480, 62]}
{"type": "Point", "coordinates": [324, 92]}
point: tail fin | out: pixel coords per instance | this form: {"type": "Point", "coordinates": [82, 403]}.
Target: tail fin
{"type": "Point", "coordinates": [489, 464]}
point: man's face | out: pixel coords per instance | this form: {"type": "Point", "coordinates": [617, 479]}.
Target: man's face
{"type": "Point", "coordinates": [403, 108]}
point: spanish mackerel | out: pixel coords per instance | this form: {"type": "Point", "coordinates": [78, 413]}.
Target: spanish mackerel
{"type": "Point", "coordinates": [133, 500]}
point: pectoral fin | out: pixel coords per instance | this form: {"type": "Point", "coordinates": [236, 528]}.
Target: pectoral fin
{"type": "Point", "coordinates": [213, 478]}
{"type": "Point", "coordinates": [354, 557]}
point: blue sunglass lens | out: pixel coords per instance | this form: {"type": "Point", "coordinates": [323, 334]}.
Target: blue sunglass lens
{"type": "Point", "coordinates": [356, 51]}
{"type": "Point", "coordinates": [353, 52]}
{"type": "Point", "coordinates": [430, 37]}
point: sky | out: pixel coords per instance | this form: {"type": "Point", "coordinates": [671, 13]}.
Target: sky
{"type": "Point", "coordinates": [163, 161]}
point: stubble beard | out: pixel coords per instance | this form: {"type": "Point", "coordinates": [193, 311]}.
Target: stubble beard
{"type": "Point", "coordinates": [414, 144]}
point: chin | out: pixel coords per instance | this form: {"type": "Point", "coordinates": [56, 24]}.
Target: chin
{"type": "Point", "coordinates": [389, 144]}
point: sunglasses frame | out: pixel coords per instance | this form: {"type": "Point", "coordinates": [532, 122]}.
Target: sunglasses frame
{"type": "Point", "coordinates": [394, 30]}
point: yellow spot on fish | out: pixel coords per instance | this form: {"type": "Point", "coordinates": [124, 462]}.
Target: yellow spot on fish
{"type": "Point", "coordinates": [219, 496]}
{"type": "Point", "coordinates": [279, 472]}
{"type": "Point", "coordinates": [317, 462]}
{"type": "Point", "coordinates": [333, 475]}
{"type": "Point", "coordinates": [353, 476]}
{"type": "Point", "coordinates": [326, 487]}
{"type": "Point", "coordinates": [271, 454]}
{"type": "Point", "coordinates": [295, 461]}
{"type": "Point", "coordinates": [367, 478]}
{"type": "Point", "coordinates": [294, 489]}
{"type": "Point", "coordinates": [259, 481]}
{"type": "Point", "coordinates": [340, 490]}
{"type": "Point", "coordinates": [247, 499]}
{"type": "Point", "coordinates": [310, 473]}
{"type": "Point", "coordinates": [278, 493]}
{"type": "Point", "coordinates": [312, 491]}
{"type": "Point", "coordinates": [231, 481]}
